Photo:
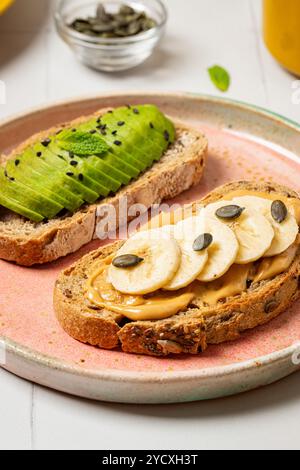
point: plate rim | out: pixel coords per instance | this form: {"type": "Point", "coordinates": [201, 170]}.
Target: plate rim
{"type": "Point", "coordinates": [176, 94]}
{"type": "Point", "coordinates": [117, 375]}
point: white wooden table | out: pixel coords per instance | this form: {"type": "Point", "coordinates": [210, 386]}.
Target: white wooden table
{"type": "Point", "coordinates": [38, 68]}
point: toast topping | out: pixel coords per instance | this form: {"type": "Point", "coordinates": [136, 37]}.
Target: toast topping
{"type": "Point", "coordinates": [271, 267]}
{"type": "Point", "coordinates": [135, 307]}
{"type": "Point", "coordinates": [84, 164]}
{"type": "Point", "coordinates": [233, 252]}
{"type": "Point", "coordinates": [127, 261]}
{"type": "Point", "coordinates": [279, 211]}
{"type": "Point", "coordinates": [234, 282]}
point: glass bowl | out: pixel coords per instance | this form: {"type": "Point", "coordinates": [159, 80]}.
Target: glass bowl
{"type": "Point", "coordinates": [110, 54]}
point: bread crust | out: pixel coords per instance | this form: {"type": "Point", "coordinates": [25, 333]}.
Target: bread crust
{"type": "Point", "coordinates": [187, 332]}
{"type": "Point", "coordinates": [179, 169]}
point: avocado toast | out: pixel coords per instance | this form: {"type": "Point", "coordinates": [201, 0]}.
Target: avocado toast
{"type": "Point", "coordinates": [53, 184]}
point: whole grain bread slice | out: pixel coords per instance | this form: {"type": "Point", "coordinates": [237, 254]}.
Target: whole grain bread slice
{"type": "Point", "coordinates": [28, 243]}
{"type": "Point", "coordinates": [187, 332]}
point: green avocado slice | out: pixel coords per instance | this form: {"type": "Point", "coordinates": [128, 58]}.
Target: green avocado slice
{"type": "Point", "coordinates": [134, 143]}
{"type": "Point", "coordinates": [16, 207]}
{"type": "Point", "coordinates": [27, 197]}
{"type": "Point", "coordinates": [84, 165]}
{"type": "Point", "coordinates": [117, 146]}
{"type": "Point", "coordinates": [161, 123]}
{"type": "Point", "coordinates": [77, 181]}
{"type": "Point", "coordinates": [150, 140]}
{"type": "Point", "coordinates": [26, 175]}
{"type": "Point", "coordinates": [34, 167]}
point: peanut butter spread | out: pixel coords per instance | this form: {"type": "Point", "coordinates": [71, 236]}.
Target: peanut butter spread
{"type": "Point", "coordinates": [163, 304]}
{"type": "Point", "coordinates": [100, 292]}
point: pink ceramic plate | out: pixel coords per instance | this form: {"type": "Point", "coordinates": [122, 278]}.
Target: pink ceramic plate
{"type": "Point", "coordinates": [245, 143]}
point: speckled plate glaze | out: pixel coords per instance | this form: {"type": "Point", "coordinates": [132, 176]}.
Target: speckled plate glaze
{"type": "Point", "coordinates": [245, 143]}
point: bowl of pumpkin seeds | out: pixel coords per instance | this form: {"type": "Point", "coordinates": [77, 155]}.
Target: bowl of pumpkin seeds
{"type": "Point", "coordinates": [111, 35]}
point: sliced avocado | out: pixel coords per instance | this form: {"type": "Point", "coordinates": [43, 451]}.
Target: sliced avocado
{"type": "Point", "coordinates": [85, 166]}
{"type": "Point", "coordinates": [83, 174]}
{"type": "Point", "coordinates": [26, 196]}
{"type": "Point", "coordinates": [112, 160]}
{"type": "Point", "coordinates": [49, 178]}
{"type": "Point", "coordinates": [88, 167]}
{"type": "Point", "coordinates": [24, 173]}
{"type": "Point", "coordinates": [16, 207]}
{"type": "Point", "coordinates": [117, 146]}
{"type": "Point", "coordinates": [161, 123]}
{"type": "Point", "coordinates": [102, 164]}
{"type": "Point", "coordinates": [134, 143]}
{"type": "Point", "coordinates": [151, 140]}
{"type": "Point", "coordinates": [77, 181]}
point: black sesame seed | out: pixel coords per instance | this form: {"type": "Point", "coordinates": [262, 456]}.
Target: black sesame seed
{"type": "Point", "coordinates": [151, 125]}
{"type": "Point", "coordinates": [69, 173]}
{"type": "Point", "coordinates": [71, 154]}
{"type": "Point", "coordinates": [110, 111]}
{"type": "Point", "coordinates": [8, 177]}
{"type": "Point", "coordinates": [98, 120]}
{"type": "Point", "coordinates": [74, 130]}
{"type": "Point", "coordinates": [93, 131]}
{"type": "Point", "coordinates": [73, 163]}
{"type": "Point", "coordinates": [128, 106]}
{"type": "Point", "coordinates": [46, 142]}
{"type": "Point", "coordinates": [118, 142]}
{"type": "Point", "coordinates": [17, 162]}
{"type": "Point", "coordinates": [103, 132]}
{"type": "Point", "coordinates": [80, 177]}
{"type": "Point", "coordinates": [38, 154]}
{"type": "Point", "coordinates": [61, 157]}
{"type": "Point", "coordinates": [58, 132]}
{"type": "Point", "coordinates": [167, 136]}
{"type": "Point", "coordinates": [136, 111]}
{"type": "Point", "coordinates": [114, 132]}
{"type": "Point", "coordinates": [121, 123]}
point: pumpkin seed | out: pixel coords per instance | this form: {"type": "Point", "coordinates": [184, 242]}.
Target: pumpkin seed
{"type": "Point", "coordinates": [279, 211]}
{"type": "Point", "coordinates": [229, 212]}
{"type": "Point", "coordinates": [127, 261]}
{"type": "Point", "coordinates": [203, 241]}
{"type": "Point", "coordinates": [126, 10]}
{"type": "Point", "coordinates": [126, 22]}
{"type": "Point", "coordinates": [270, 306]}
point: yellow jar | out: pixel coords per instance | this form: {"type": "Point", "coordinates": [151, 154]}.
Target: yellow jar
{"type": "Point", "coordinates": [282, 32]}
{"type": "Point", "coordinates": [4, 4]}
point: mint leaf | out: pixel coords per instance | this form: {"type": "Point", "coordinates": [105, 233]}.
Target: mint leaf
{"type": "Point", "coordinates": [220, 77]}
{"type": "Point", "coordinates": [82, 143]}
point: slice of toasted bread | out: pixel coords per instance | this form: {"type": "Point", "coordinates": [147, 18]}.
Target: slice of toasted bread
{"type": "Point", "coordinates": [189, 331]}
{"type": "Point", "coordinates": [28, 243]}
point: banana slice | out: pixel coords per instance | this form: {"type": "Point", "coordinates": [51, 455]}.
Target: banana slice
{"type": "Point", "coordinates": [192, 263]}
{"type": "Point", "coordinates": [161, 260]}
{"type": "Point", "coordinates": [252, 230]}
{"type": "Point", "coordinates": [285, 232]}
{"type": "Point", "coordinates": [221, 253]}
{"type": "Point", "coordinates": [165, 232]}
